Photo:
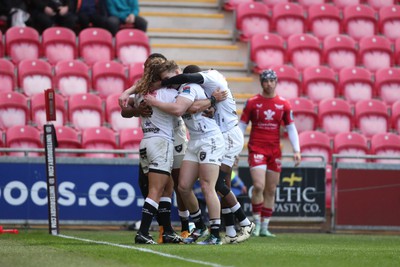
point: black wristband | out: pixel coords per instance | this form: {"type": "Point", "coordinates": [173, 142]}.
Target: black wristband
{"type": "Point", "coordinates": [213, 100]}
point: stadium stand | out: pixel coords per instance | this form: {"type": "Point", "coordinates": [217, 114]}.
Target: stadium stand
{"type": "Point", "coordinates": [132, 46]}
{"type": "Point", "coordinates": [135, 72]}
{"type": "Point", "coordinates": [379, 4]}
{"type": "Point", "coordinates": [305, 116]}
{"type": "Point", "coordinates": [38, 110]}
{"type": "Point", "coordinates": [7, 75]}
{"type": "Point", "coordinates": [355, 84]}
{"type": "Point", "coordinates": [359, 21]}
{"type": "Point", "coordinates": [34, 76]}
{"type": "Point", "coordinates": [130, 139]}
{"type": "Point", "coordinates": [113, 115]}
{"type": "Point", "coordinates": [72, 77]}
{"type": "Point", "coordinates": [375, 53]}
{"type": "Point", "coordinates": [1, 45]}
{"type": "Point", "coordinates": [67, 138]}
{"type": "Point", "coordinates": [85, 111]}
{"type": "Point", "coordinates": [267, 50]}
{"type": "Point", "coordinates": [351, 144]}
{"type": "Point", "coordinates": [23, 136]}
{"type": "Point", "coordinates": [13, 110]}
{"type": "Point", "coordinates": [252, 18]}
{"type": "Point", "coordinates": [387, 85]}
{"type": "Point", "coordinates": [99, 138]}
{"type": "Point", "coordinates": [288, 19]}
{"type": "Point", "coordinates": [232, 4]}
{"type": "Point", "coordinates": [22, 43]}
{"type": "Point", "coordinates": [396, 116]}
{"type": "Point", "coordinates": [319, 83]}
{"type": "Point", "coordinates": [304, 50]}
{"type": "Point", "coordinates": [323, 20]}
{"type": "Point", "coordinates": [309, 3]}
{"type": "Point", "coordinates": [95, 44]}
{"type": "Point", "coordinates": [289, 85]}
{"type": "Point", "coordinates": [389, 22]}
{"type": "Point", "coordinates": [315, 143]}
{"type": "Point", "coordinates": [371, 117]}
{"type": "Point", "coordinates": [342, 4]}
{"type": "Point", "coordinates": [108, 77]}
{"type": "Point", "coordinates": [58, 44]}
{"type": "Point", "coordinates": [339, 51]}
{"type": "Point", "coordinates": [335, 116]}
{"type": "Point", "coordinates": [386, 144]}
{"type": "Point", "coordinates": [397, 51]}
{"type": "Point", "coordinates": [272, 3]}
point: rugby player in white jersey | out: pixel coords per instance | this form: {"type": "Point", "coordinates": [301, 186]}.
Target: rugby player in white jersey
{"type": "Point", "coordinates": [226, 117]}
{"type": "Point", "coordinates": [203, 156]}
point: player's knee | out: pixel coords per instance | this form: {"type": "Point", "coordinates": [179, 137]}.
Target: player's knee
{"type": "Point", "coordinates": [221, 187]}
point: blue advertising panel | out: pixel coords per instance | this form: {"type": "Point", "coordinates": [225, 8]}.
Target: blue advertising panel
{"type": "Point", "coordinates": [89, 190]}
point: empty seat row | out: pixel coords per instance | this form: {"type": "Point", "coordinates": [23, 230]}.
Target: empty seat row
{"type": "Point", "coordinates": [334, 116]}
{"type": "Point", "coordinates": [92, 45]}
{"type": "Point", "coordinates": [80, 111]}
{"type": "Point", "coordinates": [320, 19]}
{"type": "Point", "coordinates": [336, 51]}
{"type": "Point", "coordinates": [68, 77]}
{"type": "Point", "coordinates": [352, 83]}
{"type": "Point", "coordinates": [350, 144]}
{"type": "Point", "coordinates": [94, 138]}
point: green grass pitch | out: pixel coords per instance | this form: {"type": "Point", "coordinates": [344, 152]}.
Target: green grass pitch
{"type": "Point", "coordinates": [116, 248]}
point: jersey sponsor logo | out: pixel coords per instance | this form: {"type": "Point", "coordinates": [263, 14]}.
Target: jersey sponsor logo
{"type": "Point", "coordinates": [269, 114]}
{"type": "Point", "coordinates": [259, 105]}
{"type": "Point", "coordinates": [151, 130]}
{"type": "Point", "coordinates": [203, 155]}
{"type": "Point", "coordinates": [186, 89]}
{"type": "Point", "coordinates": [178, 148]}
{"type": "Point", "coordinates": [258, 157]}
{"type": "Point", "coordinates": [279, 106]}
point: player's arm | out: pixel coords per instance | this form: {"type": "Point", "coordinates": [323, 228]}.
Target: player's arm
{"type": "Point", "coordinates": [184, 78]}
{"type": "Point", "coordinates": [294, 140]}
{"type": "Point", "coordinates": [124, 97]}
{"type": "Point", "coordinates": [244, 119]}
{"type": "Point", "coordinates": [131, 110]}
{"type": "Point", "coordinates": [204, 104]}
{"type": "Point", "coordinates": [177, 108]}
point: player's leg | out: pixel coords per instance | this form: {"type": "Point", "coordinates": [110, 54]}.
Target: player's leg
{"type": "Point", "coordinates": [257, 198]}
{"type": "Point", "coordinates": [183, 212]}
{"type": "Point", "coordinates": [272, 180]}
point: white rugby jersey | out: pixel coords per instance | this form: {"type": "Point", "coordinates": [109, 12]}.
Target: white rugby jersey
{"type": "Point", "coordinates": [160, 123]}
{"type": "Point", "coordinates": [225, 114]}
{"type": "Point", "coordinates": [180, 132]}
{"type": "Point", "coordinates": [197, 124]}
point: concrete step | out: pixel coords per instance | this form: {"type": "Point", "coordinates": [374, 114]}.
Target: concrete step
{"type": "Point", "coordinates": [180, 3]}
{"type": "Point", "coordinates": [187, 33]}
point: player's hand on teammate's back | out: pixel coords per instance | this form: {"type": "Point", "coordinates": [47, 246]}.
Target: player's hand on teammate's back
{"type": "Point", "coordinates": [209, 112]}
{"type": "Point", "coordinates": [220, 95]}
{"type": "Point", "coordinates": [145, 110]}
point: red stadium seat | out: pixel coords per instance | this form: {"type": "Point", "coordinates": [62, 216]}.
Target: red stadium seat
{"type": "Point", "coordinates": [130, 139]}
{"type": "Point", "coordinates": [386, 144]}
{"type": "Point", "coordinates": [267, 50]}
{"type": "Point", "coordinates": [95, 44]}
{"type": "Point", "coordinates": [252, 18]}
{"type": "Point", "coordinates": [38, 110]}
{"type": "Point", "coordinates": [387, 84]}
{"type": "Point", "coordinates": [355, 84]}
{"type": "Point", "coordinates": [136, 71]}
{"type": "Point", "coordinates": [13, 110]}
{"type": "Point", "coordinates": [345, 3]}
{"type": "Point", "coordinates": [22, 43]}
{"type": "Point", "coordinates": [396, 116]}
{"type": "Point", "coordinates": [1, 45]}
{"type": "Point", "coordinates": [24, 136]}
{"type": "Point", "coordinates": [359, 21]}
{"type": "Point", "coordinates": [305, 116]}
{"type": "Point", "coordinates": [85, 111]}
{"type": "Point", "coordinates": [389, 22]}
{"type": "Point", "coordinates": [34, 76]}
{"type": "Point", "coordinates": [72, 77]}
{"type": "Point", "coordinates": [289, 85]}
{"type": "Point", "coordinates": [315, 143]}
{"type": "Point", "coordinates": [324, 20]}
{"type": "Point", "coordinates": [132, 46]}
{"type": "Point", "coordinates": [99, 138]}
{"type": "Point", "coordinates": [288, 19]}
{"type": "Point", "coordinates": [232, 4]}
{"type": "Point", "coordinates": [397, 51]}
{"type": "Point", "coordinates": [379, 4]}
{"type": "Point", "coordinates": [309, 3]}
{"type": "Point", "coordinates": [304, 50]}
{"type": "Point", "coordinates": [113, 115]}
{"type": "Point", "coordinates": [319, 83]}
{"type": "Point", "coordinates": [7, 76]}
{"type": "Point", "coordinates": [108, 78]}
{"type": "Point", "coordinates": [335, 116]}
{"type": "Point", "coordinates": [59, 44]}
{"type": "Point", "coordinates": [339, 52]}
{"type": "Point", "coordinates": [371, 117]}
{"type": "Point", "coordinates": [272, 3]}
{"type": "Point", "coordinates": [350, 144]}
{"type": "Point", "coordinates": [67, 138]}
{"type": "Point", "coordinates": [375, 53]}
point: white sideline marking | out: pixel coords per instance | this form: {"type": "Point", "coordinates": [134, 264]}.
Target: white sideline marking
{"type": "Point", "coordinates": [143, 250]}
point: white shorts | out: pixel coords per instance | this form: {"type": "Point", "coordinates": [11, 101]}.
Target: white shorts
{"type": "Point", "coordinates": [156, 154]}
{"type": "Point", "coordinates": [179, 154]}
{"type": "Point", "coordinates": [209, 149]}
{"type": "Point", "coordinates": [234, 142]}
